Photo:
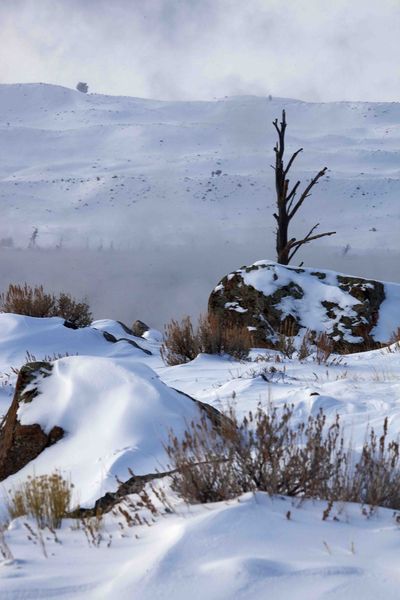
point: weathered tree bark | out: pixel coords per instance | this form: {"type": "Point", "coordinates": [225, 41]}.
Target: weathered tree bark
{"type": "Point", "coordinates": [285, 200]}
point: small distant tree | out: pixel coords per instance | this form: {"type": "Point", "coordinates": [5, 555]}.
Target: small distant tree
{"type": "Point", "coordinates": [33, 238]}
{"type": "Point", "coordinates": [287, 205]}
{"type": "Point", "coordinates": [83, 87]}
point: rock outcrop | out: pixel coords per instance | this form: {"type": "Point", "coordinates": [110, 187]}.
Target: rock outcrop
{"type": "Point", "coordinates": [19, 444]}
{"type": "Point", "coordinates": [139, 328]}
{"type": "Point", "coordinates": [114, 418]}
{"type": "Point", "coordinates": [272, 299]}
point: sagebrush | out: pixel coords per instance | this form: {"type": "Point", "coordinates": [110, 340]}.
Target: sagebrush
{"type": "Point", "coordinates": [183, 341]}
{"type": "Point", "coordinates": [270, 451]}
{"type": "Point", "coordinates": [33, 301]}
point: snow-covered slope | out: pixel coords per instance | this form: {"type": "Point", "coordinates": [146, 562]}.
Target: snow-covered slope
{"type": "Point", "coordinates": [26, 339]}
{"type": "Point", "coordinates": [246, 549]}
{"type": "Point", "coordinates": [184, 191]}
{"type": "Point", "coordinates": [116, 416]}
{"type": "Point", "coordinates": [115, 412]}
{"type": "Point", "coordinates": [84, 166]}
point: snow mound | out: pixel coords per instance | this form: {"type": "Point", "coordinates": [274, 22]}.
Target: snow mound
{"type": "Point", "coordinates": [48, 337]}
{"type": "Point", "coordinates": [260, 547]}
{"type": "Point", "coordinates": [115, 418]}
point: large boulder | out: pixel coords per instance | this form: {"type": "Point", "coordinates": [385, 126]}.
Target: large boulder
{"type": "Point", "coordinates": [271, 299]}
{"type": "Point", "coordinates": [19, 443]}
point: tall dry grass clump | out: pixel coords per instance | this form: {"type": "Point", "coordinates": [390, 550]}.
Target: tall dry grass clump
{"type": "Point", "coordinates": [35, 302]}
{"type": "Point", "coordinates": [183, 342]}
{"type": "Point", "coordinates": [46, 498]}
{"type": "Point", "coordinates": [269, 451]}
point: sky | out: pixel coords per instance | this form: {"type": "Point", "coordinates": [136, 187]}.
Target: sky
{"type": "Point", "coordinates": [316, 50]}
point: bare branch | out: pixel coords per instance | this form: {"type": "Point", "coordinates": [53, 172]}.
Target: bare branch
{"type": "Point", "coordinates": [291, 161]}
{"type": "Point", "coordinates": [290, 197]}
{"type": "Point", "coordinates": [309, 238]}
{"type": "Point", "coordinates": [307, 191]}
{"type": "Point", "coordinates": [275, 124]}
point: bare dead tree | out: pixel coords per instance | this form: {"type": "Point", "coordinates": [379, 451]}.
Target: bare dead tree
{"type": "Point", "coordinates": [287, 204]}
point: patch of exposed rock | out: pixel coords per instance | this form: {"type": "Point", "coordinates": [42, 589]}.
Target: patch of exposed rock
{"type": "Point", "coordinates": [272, 299]}
{"type": "Point", "coordinates": [139, 328]}
{"type": "Point", "coordinates": [19, 444]}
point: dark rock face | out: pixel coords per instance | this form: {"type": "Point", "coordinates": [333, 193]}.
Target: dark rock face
{"type": "Point", "coordinates": [19, 444]}
{"type": "Point", "coordinates": [273, 299]}
{"type": "Point", "coordinates": [111, 338]}
{"type": "Point", "coordinates": [139, 328]}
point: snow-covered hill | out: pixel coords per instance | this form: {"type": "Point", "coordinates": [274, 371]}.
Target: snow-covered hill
{"type": "Point", "coordinates": [113, 169]}
{"type": "Point", "coordinates": [185, 189]}
{"type": "Point", "coordinates": [111, 400]}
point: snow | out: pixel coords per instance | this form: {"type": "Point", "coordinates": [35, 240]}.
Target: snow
{"type": "Point", "coordinates": [25, 339]}
{"type": "Point", "coordinates": [91, 171]}
{"type": "Point", "coordinates": [268, 277]}
{"type": "Point", "coordinates": [246, 549]}
{"type": "Point", "coordinates": [116, 404]}
{"type": "Point", "coordinates": [56, 142]}
{"type": "Point", "coordinates": [116, 416]}
{"type": "Point", "coordinates": [94, 170]}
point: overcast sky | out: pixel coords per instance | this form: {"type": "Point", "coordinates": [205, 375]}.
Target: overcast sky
{"type": "Point", "coordinates": [199, 49]}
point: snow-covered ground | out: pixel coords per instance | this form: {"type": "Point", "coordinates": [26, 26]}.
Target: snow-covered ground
{"type": "Point", "coordinates": [185, 192]}
{"type": "Point", "coordinates": [110, 395]}
{"type": "Point", "coordinates": [246, 549]}
{"type": "Point", "coordinates": [70, 160]}
{"type": "Point", "coordinates": [143, 206]}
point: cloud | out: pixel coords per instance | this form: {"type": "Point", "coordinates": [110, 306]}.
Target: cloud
{"type": "Point", "coordinates": [181, 49]}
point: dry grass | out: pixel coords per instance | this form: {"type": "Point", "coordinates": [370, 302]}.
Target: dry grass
{"type": "Point", "coordinates": [269, 451]}
{"type": "Point", "coordinates": [35, 302]}
{"type": "Point", "coordinates": [46, 498]}
{"type": "Point", "coordinates": [183, 342]}
{"type": "Point", "coordinates": [324, 348]}
{"type": "Point", "coordinates": [285, 338]}
{"type": "Point", "coordinates": [395, 337]}
{"type": "Point", "coordinates": [306, 347]}
{"type": "Point", "coordinates": [5, 551]}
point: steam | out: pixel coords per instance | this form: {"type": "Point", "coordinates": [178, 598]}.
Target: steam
{"type": "Point", "coordinates": [182, 49]}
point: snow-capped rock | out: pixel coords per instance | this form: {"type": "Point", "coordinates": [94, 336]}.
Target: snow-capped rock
{"type": "Point", "coordinates": [271, 298]}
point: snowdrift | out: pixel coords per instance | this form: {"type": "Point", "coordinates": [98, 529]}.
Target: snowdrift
{"type": "Point", "coordinates": [115, 418]}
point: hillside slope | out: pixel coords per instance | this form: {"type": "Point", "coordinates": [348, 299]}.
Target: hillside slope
{"type": "Point", "coordinates": [184, 192]}
{"type": "Point", "coordinates": [86, 165]}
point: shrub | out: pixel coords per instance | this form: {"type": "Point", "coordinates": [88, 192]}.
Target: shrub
{"type": "Point", "coordinates": [82, 86]}
{"type": "Point", "coordinates": [183, 342]}
{"type": "Point", "coordinates": [35, 302]}
{"type": "Point", "coordinates": [269, 451]}
{"type": "Point", "coordinates": [203, 464]}
{"type": "Point", "coordinates": [46, 498]}
{"type": "Point", "coordinates": [376, 476]}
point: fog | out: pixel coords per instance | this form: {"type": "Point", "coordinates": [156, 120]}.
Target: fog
{"type": "Point", "coordinates": [161, 283]}
{"type": "Point", "coordinates": [178, 50]}
{"type": "Point", "coordinates": [181, 49]}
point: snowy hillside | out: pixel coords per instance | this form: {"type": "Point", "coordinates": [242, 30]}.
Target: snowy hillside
{"type": "Point", "coordinates": [112, 401]}
{"type": "Point", "coordinates": [152, 177]}
{"type": "Point", "coordinates": [142, 206]}
{"type": "Point", "coordinates": [101, 167]}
